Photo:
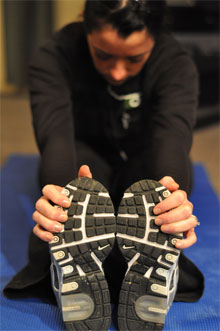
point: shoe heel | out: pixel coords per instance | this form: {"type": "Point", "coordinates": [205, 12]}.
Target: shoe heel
{"type": "Point", "coordinates": [77, 307]}
{"type": "Point", "coordinates": [151, 308]}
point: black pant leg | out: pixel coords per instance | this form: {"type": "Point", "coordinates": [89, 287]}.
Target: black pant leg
{"type": "Point", "coordinates": [191, 281]}
{"type": "Point", "coordinates": [34, 279]}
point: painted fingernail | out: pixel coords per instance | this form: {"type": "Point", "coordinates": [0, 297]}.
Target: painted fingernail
{"type": "Point", "coordinates": [58, 227]}
{"type": "Point", "coordinates": [157, 210]}
{"type": "Point", "coordinates": [158, 221]}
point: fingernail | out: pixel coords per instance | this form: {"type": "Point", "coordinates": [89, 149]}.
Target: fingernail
{"type": "Point", "coordinates": [49, 237]}
{"type": "Point", "coordinates": [66, 203]}
{"type": "Point", "coordinates": [174, 185]}
{"type": "Point", "coordinates": [63, 217]}
{"type": "Point", "coordinates": [157, 210]}
{"type": "Point", "coordinates": [58, 227]}
{"type": "Point", "coordinates": [178, 244]}
{"type": "Point", "coordinates": [158, 221]}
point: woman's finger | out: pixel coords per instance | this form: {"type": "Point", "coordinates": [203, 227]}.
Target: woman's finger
{"type": "Point", "coordinates": [176, 199]}
{"type": "Point", "coordinates": [169, 183]}
{"type": "Point", "coordinates": [174, 215]}
{"type": "Point", "coordinates": [180, 226]}
{"type": "Point", "coordinates": [42, 234]}
{"type": "Point", "coordinates": [54, 194]}
{"type": "Point", "coordinates": [44, 207]}
{"type": "Point", "coordinates": [190, 240]}
{"type": "Point", "coordinates": [84, 171]}
{"type": "Point", "coordinates": [47, 224]}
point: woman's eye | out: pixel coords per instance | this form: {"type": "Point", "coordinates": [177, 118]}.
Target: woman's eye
{"type": "Point", "coordinates": [102, 56]}
{"type": "Point", "coordinates": [135, 59]}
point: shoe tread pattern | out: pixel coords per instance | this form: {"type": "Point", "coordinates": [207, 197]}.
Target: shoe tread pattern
{"type": "Point", "coordinates": [141, 235]}
{"type": "Point", "coordinates": [99, 223]}
{"type": "Point", "coordinates": [90, 229]}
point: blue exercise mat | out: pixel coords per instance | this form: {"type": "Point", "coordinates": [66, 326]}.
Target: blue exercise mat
{"type": "Point", "coordinates": [19, 192]}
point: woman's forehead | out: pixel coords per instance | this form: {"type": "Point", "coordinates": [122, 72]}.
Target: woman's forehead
{"type": "Point", "coordinates": [108, 40]}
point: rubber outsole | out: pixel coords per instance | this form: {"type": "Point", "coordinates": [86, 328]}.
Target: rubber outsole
{"type": "Point", "coordinates": [77, 254]}
{"type": "Point", "coordinates": [151, 256]}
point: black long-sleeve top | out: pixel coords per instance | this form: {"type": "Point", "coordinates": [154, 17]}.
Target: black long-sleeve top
{"type": "Point", "coordinates": [70, 101]}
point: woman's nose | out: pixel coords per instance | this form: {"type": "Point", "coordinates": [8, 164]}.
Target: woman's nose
{"type": "Point", "coordinates": [118, 71]}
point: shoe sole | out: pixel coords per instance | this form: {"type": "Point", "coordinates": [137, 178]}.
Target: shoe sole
{"type": "Point", "coordinates": [77, 254]}
{"type": "Point", "coordinates": [151, 255]}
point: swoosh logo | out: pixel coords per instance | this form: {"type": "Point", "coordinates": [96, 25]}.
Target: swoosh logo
{"type": "Point", "coordinates": [100, 248]}
{"type": "Point", "coordinates": [127, 247]}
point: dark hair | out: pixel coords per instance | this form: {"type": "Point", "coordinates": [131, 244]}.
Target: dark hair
{"type": "Point", "coordinates": [126, 16]}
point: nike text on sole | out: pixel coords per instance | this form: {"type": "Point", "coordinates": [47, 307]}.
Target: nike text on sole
{"type": "Point", "coordinates": [77, 255]}
{"type": "Point", "coordinates": [150, 283]}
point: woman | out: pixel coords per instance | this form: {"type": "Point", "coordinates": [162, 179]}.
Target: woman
{"type": "Point", "coordinates": [118, 94]}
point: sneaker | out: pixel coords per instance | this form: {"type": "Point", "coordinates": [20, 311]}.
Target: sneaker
{"type": "Point", "coordinates": [77, 255]}
{"type": "Point", "coordinates": [150, 282]}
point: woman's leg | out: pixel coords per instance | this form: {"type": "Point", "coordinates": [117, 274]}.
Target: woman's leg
{"type": "Point", "coordinates": [191, 280]}
{"type": "Point", "coordinates": [36, 273]}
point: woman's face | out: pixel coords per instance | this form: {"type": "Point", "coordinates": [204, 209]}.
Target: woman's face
{"type": "Point", "coordinates": [118, 59]}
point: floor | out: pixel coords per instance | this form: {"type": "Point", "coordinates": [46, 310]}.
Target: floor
{"type": "Point", "coordinates": [17, 136]}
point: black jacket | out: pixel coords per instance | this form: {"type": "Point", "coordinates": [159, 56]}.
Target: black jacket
{"type": "Point", "coordinates": [69, 101]}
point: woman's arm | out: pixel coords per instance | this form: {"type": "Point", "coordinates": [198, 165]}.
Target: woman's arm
{"type": "Point", "coordinates": [174, 105]}
{"type": "Point", "coordinates": [52, 114]}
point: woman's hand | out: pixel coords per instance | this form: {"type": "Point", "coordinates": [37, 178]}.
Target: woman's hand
{"type": "Point", "coordinates": [174, 214]}
{"type": "Point", "coordinates": [49, 218]}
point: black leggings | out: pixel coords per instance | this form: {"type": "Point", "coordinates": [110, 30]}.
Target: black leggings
{"type": "Point", "coordinates": [115, 176]}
